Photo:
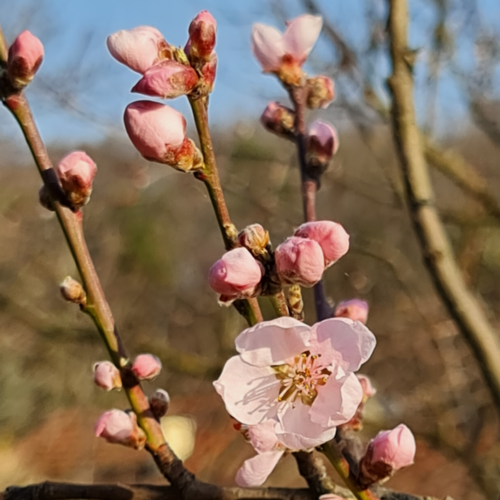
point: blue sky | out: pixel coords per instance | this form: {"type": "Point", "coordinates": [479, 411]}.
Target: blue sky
{"type": "Point", "coordinates": [74, 33]}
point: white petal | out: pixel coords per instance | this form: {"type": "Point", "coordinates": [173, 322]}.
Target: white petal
{"type": "Point", "coordinates": [256, 470]}
{"type": "Point", "coordinates": [250, 393]}
{"type": "Point", "coordinates": [301, 35]}
{"type": "Point", "coordinates": [272, 342]}
{"type": "Point", "coordinates": [267, 46]}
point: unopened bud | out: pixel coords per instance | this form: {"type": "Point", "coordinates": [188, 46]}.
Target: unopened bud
{"type": "Point", "coordinates": [146, 367]}
{"type": "Point", "coordinates": [45, 199]}
{"type": "Point", "coordinates": [368, 390]}
{"type": "Point", "coordinates": [167, 79]}
{"type": "Point", "coordinates": [25, 57]}
{"type": "Point", "coordinates": [120, 427]}
{"type": "Point", "coordinates": [76, 172]}
{"type": "Point", "coordinates": [208, 73]}
{"type": "Point", "coordinates": [322, 143]}
{"type": "Point", "coordinates": [355, 309]}
{"type": "Point", "coordinates": [299, 261]}
{"type": "Point", "coordinates": [278, 119]}
{"type": "Point", "coordinates": [255, 238]}
{"type": "Point", "coordinates": [202, 35]}
{"type": "Point", "coordinates": [72, 291]}
{"type": "Point", "coordinates": [159, 403]}
{"type": "Point", "coordinates": [388, 452]}
{"type": "Point", "coordinates": [107, 376]}
{"type": "Point", "coordinates": [159, 133]}
{"type": "Point", "coordinates": [320, 92]}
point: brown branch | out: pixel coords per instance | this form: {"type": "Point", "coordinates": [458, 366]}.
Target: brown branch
{"type": "Point", "coordinates": [438, 255]}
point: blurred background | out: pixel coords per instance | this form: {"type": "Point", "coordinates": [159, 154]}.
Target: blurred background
{"type": "Point", "coordinates": [153, 236]}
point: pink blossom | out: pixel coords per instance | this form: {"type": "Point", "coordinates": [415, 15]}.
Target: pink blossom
{"type": "Point", "coordinates": [368, 390]}
{"type": "Point", "coordinates": [322, 141]}
{"type": "Point", "coordinates": [320, 92]}
{"type": "Point", "coordinates": [116, 426]}
{"type": "Point", "coordinates": [25, 57]}
{"type": "Point", "coordinates": [202, 35]}
{"type": "Point", "coordinates": [236, 275]}
{"type": "Point", "coordinates": [146, 367]}
{"type": "Point", "coordinates": [159, 133]}
{"type": "Point", "coordinates": [138, 48]}
{"type": "Point", "coordinates": [167, 79]}
{"type": "Point", "coordinates": [107, 376]}
{"type": "Point", "coordinates": [330, 236]}
{"type": "Point", "coordinates": [299, 261]}
{"type": "Point", "coordinates": [355, 309]}
{"type": "Point", "coordinates": [278, 119]}
{"type": "Point", "coordinates": [299, 376]}
{"type": "Point", "coordinates": [273, 49]}
{"type": "Point", "coordinates": [396, 447]}
{"type": "Point", "coordinates": [76, 171]}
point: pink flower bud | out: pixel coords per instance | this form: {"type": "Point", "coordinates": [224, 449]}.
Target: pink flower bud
{"type": "Point", "coordinates": [278, 119]}
{"type": "Point", "coordinates": [138, 48]}
{"type": "Point", "coordinates": [331, 237]}
{"type": "Point", "coordinates": [320, 92]}
{"type": "Point", "coordinates": [159, 133]}
{"type": "Point", "coordinates": [167, 79]}
{"type": "Point", "coordinates": [255, 238]}
{"type": "Point", "coordinates": [299, 261]}
{"type": "Point", "coordinates": [202, 34]}
{"type": "Point", "coordinates": [366, 384]}
{"type": "Point", "coordinates": [388, 452]}
{"type": "Point", "coordinates": [107, 376]}
{"type": "Point", "coordinates": [355, 309]}
{"type": "Point", "coordinates": [76, 172]}
{"type": "Point", "coordinates": [25, 57]}
{"type": "Point", "coordinates": [236, 274]}
{"type": "Point", "coordinates": [159, 403]}
{"type": "Point", "coordinates": [146, 367]}
{"type": "Point", "coordinates": [322, 142]}
{"type": "Point", "coordinates": [117, 426]}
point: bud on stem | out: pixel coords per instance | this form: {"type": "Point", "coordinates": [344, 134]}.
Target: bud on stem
{"type": "Point", "coordinates": [72, 291]}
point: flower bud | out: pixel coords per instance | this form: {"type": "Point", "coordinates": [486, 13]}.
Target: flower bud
{"type": "Point", "coordinates": [254, 238]}
{"type": "Point", "coordinates": [139, 48]}
{"type": "Point", "coordinates": [76, 172]}
{"type": "Point", "coordinates": [354, 309]}
{"type": "Point", "coordinates": [331, 237]}
{"type": "Point", "coordinates": [322, 143]}
{"type": "Point", "coordinates": [107, 376]}
{"type": "Point", "coordinates": [388, 452]}
{"type": "Point", "coordinates": [45, 199]}
{"type": "Point", "coordinates": [202, 35]}
{"type": "Point", "coordinates": [159, 403]}
{"type": "Point", "coordinates": [208, 73]}
{"type": "Point", "coordinates": [236, 275]}
{"type": "Point", "coordinates": [25, 57]}
{"type": "Point", "coordinates": [72, 291]}
{"type": "Point", "coordinates": [320, 92]}
{"type": "Point", "coordinates": [167, 79]}
{"type": "Point", "coordinates": [278, 119]}
{"type": "Point", "coordinates": [158, 132]}
{"type": "Point", "coordinates": [366, 384]}
{"type": "Point", "coordinates": [117, 426]}
{"type": "Point", "coordinates": [146, 367]}
{"type": "Point", "coordinates": [299, 261]}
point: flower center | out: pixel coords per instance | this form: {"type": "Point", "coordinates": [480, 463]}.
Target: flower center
{"type": "Point", "coordinates": [301, 378]}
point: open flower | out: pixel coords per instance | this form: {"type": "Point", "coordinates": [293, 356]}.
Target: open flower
{"type": "Point", "coordinates": [299, 376]}
{"type": "Point", "coordinates": [284, 54]}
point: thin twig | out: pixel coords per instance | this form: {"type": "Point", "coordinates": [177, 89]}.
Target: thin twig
{"type": "Point", "coordinates": [438, 255]}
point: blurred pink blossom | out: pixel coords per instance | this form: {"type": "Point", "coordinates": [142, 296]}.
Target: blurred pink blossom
{"type": "Point", "coordinates": [278, 119]}
{"type": "Point", "coordinates": [117, 426]}
{"type": "Point", "coordinates": [107, 376]}
{"type": "Point", "coordinates": [354, 309]}
{"type": "Point", "coordinates": [299, 261]}
{"type": "Point", "coordinates": [146, 367]}
{"type": "Point", "coordinates": [368, 390]}
{"type": "Point", "coordinates": [24, 59]}
{"type": "Point", "coordinates": [300, 377]}
{"type": "Point", "coordinates": [322, 141]}
{"type": "Point", "coordinates": [331, 237]}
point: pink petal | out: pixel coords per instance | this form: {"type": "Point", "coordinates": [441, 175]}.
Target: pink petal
{"type": "Point", "coordinates": [256, 470]}
{"type": "Point", "coordinates": [272, 342]}
{"type": "Point", "coordinates": [337, 401]}
{"type": "Point", "coordinates": [267, 46]}
{"type": "Point", "coordinates": [343, 341]}
{"type": "Point", "coordinates": [250, 393]}
{"type": "Point", "coordinates": [263, 436]}
{"type": "Point", "coordinates": [297, 431]}
{"type": "Point", "coordinates": [301, 35]}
